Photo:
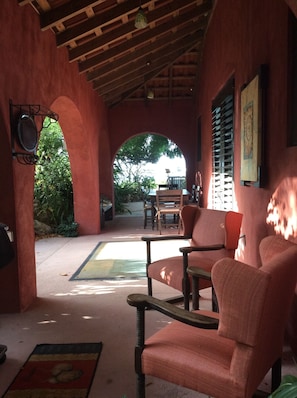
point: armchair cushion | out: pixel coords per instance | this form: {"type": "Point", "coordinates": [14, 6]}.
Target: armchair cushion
{"type": "Point", "coordinates": [200, 354]}
{"type": "Point", "coordinates": [169, 271]}
{"type": "Point", "coordinates": [233, 284]}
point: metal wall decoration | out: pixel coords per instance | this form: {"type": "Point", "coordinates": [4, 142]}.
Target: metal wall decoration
{"type": "Point", "coordinates": [24, 132]}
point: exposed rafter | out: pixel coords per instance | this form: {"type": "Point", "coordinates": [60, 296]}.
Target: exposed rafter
{"type": "Point", "coordinates": [123, 62]}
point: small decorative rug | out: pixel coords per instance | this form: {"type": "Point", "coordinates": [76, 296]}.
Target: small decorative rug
{"type": "Point", "coordinates": [57, 371]}
{"type": "Point", "coordinates": [124, 260]}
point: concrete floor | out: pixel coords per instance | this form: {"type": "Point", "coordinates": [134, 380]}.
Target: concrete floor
{"type": "Point", "coordinates": [88, 311]}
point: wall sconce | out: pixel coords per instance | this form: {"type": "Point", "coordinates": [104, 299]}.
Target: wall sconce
{"type": "Point", "coordinates": [24, 133]}
{"type": "Point", "coordinates": [140, 19]}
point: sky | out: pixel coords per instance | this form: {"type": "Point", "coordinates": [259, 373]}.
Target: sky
{"type": "Point", "coordinates": [177, 167]}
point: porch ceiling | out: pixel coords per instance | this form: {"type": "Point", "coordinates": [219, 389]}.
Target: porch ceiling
{"type": "Point", "coordinates": [122, 62]}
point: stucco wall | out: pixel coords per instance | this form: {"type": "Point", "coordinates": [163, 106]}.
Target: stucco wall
{"type": "Point", "coordinates": [34, 71]}
{"type": "Point", "coordinates": [237, 43]}
{"type": "Point", "coordinates": [176, 121]}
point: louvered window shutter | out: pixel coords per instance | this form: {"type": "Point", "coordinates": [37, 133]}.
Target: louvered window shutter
{"type": "Point", "coordinates": [222, 152]}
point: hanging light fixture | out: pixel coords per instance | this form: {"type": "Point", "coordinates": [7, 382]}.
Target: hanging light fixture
{"type": "Point", "coordinates": [150, 94]}
{"type": "Point", "coordinates": [140, 20]}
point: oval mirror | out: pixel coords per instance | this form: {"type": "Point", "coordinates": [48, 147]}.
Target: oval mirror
{"type": "Point", "coordinates": [27, 133]}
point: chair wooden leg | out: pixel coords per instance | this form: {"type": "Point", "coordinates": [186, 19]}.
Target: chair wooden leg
{"type": "Point", "coordinates": [215, 305]}
{"type": "Point", "coordinates": [160, 224]}
{"type": "Point", "coordinates": [140, 387]}
{"type": "Point", "coordinates": [276, 374]}
{"type": "Point", "coordinates": [195, 293]}
{"type": "Point", "coordinates": [140, 324]}
{"type": "Point", "coordinates": [186, 283]}
{"type": "Point", "coordinates": [149, 286]}
{"type": "Point", "coordinates": [153, 218]}
{"type": "Point", "coordinates": [186, 293]}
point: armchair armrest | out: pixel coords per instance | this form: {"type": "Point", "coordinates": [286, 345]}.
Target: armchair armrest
{"type": "Point", "coordinates": [190, 249]}
{"type": "Point", "coordinates": [155, 238]}
{"type": "Point", "coordinates": [186, 250]}
{"type": "Point", "coordinates": [196, 272]}
{"type": "Point", "coordinates": [143, 302]}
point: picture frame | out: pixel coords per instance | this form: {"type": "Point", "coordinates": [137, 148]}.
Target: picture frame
{"type": "Point", "coordinates": [252, 128]}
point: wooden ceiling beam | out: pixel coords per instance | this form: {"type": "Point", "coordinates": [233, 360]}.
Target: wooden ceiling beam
{"type": "Point", "coordinates": [106, 39]}
{"type": "Point", "coordinates": [126, 87]}
{"type": "Point", "coordinates": [141, 38]}
{"type": "Point", "coordinates": [140, 53]}
{"type": "Point", "coordinates": [146, 47]}
{"type": "Point", "coordinates": [99, 20]}
{"type": "Point", "coordinates": [60, 14]}
{"type": "Point", "coordinates": [23, 2]}
{"type": "Point", "coordinates": [87, 27]}
{"type": "Point", "coordinates": [122, 61]}
{"type": "Point", "coordinates": [131, 71]}
{"type": "Point", "coordinates": [38, 5]}
{"type": "Point", "coordinates": [159, 60]}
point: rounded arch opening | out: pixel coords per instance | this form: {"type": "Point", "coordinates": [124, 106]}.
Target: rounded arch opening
{"type": "Point", "coordinates": [53, 191]}
{"type": "Point", "coordinates": [144, 163]}
{"type": "Point", "coordinates": [83, 163]}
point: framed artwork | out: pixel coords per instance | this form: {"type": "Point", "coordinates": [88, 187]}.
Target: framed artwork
{"type": "Point", "coordinates": [252, 129]}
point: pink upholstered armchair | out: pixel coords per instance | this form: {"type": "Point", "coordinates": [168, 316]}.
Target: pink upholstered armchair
{"type": "Point", "coordinates": [213, 234]}
{"type": "Point", "coordinates": [225, 354]}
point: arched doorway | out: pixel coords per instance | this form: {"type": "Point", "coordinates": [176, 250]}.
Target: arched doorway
{"type": "Point", "coordinates": [145, 162]}
{"type": "Point", "coordinates": [53, 192]}
{"type": "Point", "coordinates": [83, 155]}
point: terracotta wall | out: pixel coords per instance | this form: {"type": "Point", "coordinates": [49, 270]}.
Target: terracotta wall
{"type": "Point", "coordinates": [176, 121]}
{"type": "Point", "coordinates": [238, 42]}
{"type": "Point", "coordinates": [34, 71]}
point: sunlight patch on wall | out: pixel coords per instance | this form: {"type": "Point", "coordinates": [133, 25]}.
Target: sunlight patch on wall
{"type": "Point", "coordinates": [282, 208]}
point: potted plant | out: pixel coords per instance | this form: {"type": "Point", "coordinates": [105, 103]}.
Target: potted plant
{"type": "Point", "coordinates": [287, 388]}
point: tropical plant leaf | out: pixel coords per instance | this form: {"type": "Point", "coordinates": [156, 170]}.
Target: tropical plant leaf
{"type": "Point", "coordinates": [287, 388]}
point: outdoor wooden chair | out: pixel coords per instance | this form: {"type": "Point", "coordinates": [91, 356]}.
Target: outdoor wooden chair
{"type": "Point", "coordinates": [212, 234]}
{"type": "Point", "coordinates": [149, 214]}
{"type": "Point", "coordinates": [225, 354]}
{"type": "Point", "coordinates": [169, 203]}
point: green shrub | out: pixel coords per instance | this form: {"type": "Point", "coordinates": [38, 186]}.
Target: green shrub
{"type": "Point", "coordinates": [127, 192]}
{"type": "Point", "coordinates": [53, 194]}
{"type": "Point", "coordinates": [68, 229]}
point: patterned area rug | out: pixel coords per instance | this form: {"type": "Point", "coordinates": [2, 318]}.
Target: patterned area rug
{"type": "Point", "coordinates": [57, 370]}
{"type": "Point", "coordinates": [114, 260]}
{"type": "Point", "coordinates": [124, 260]}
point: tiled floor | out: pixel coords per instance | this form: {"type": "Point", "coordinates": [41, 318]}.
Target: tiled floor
{"type": "Point", "coordinates": [87, 311]}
